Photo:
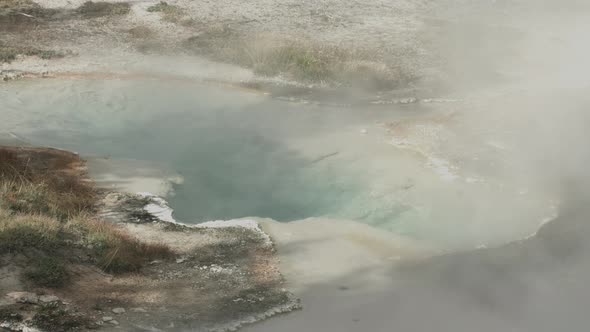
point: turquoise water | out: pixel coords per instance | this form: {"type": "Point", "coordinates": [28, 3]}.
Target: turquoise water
{"type": "Point", "coordinates": [247, 155]}
{"type": "Point", "coordinates": [229, 146]}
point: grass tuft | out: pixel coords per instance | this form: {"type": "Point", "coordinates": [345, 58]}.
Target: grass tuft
{"type": "Point", "coordinates": [114, 250]}
{"type": "Point", "coordinates": [52, 317]}
{"type": "Point", "coordinates": [19, 233]}
{"type": "Point", "coordinates": [47, 206]}
{"type": "Point", "coordinates": [141, 32]}
{"type": "Point", "coordinates": [170, 13]}
{"type": "Point", "coordinates": [48, 272]}
{"type": "Point", "coordinates": [10, 53]}
{"type": "Point", "coordinates": [298, 59]}
{"type": "Point", "coordinates": [46, 183]}
{"type": "Point", "coordinates": [101, 9]}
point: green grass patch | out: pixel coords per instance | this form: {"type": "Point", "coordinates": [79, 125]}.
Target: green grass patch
{"type": "Point", "coordinates": [41, 199]}
{"type": "Point", "coordinates": [141, 32]}
{"type": "Point", "coordinates": [48, 272]}
{"type": "Point", "coordinates": [9, 53]}
{"type": "Point", "coordinates": [170, 13]}
{"type": "Point", "coordinates": [101, 9]}
{"type": "Point", "coordinates": [299, 60]}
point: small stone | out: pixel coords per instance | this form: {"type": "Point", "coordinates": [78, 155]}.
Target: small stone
{"type": "Point", "coordinates": [114, 322]}
{"type": "Point", "coordinates": [48, 298]}
{"type": "Point", "coordinates": [138, 310]}
{"type": "Point", "coordinates": [180, 260]}
{"type": "Point", "coordinates": [24, 297]}
{"type": "Point", "coordinates": [119, 311]}
{"type": "Point", "coordinates": [107, 318]}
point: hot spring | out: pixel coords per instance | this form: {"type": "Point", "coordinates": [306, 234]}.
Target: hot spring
{"type": "Point", "coordinates": [244, 154]}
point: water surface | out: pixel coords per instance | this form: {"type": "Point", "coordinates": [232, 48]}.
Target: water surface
{"type": "Point", "coordinates": [243, 154]}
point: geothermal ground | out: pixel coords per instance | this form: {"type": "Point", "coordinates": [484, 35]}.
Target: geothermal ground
{"type": "Point", "coordinates": [418, 165]}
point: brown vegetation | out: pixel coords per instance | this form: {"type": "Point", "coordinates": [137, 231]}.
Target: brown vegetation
{"type": "Point", "coordinates": [21, 15]}
{"type": "Point", "coordinates": [100, 9]}
{"type": "Point", "coordinates": [44, 181]}
{"type": "Point", "coordinates": [141, 32]}
{"type": "Point", "coordinates": [47, 206]}
{"type": "Point", "coordinates": [9, 53]}
{"type": "Point", "coordinates": [53, 317]}
{"type": "Point", "coordinates": [171, 13]}
{"type": "Point", "coordinates": [300, 60]}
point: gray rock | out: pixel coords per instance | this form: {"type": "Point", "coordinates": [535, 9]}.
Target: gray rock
{"type": "Point", "coordinates": [114, 322]}
{"type": "Point", "coordinates": [138, 310]}
{"type": "Point", "coordinates": [107, 318]}
{"type": "Point", "coordinates": [24, 297]}
{"type": "Point", "coordinates": [119, 311]}
{"type": "Point", "coordinates": [48, 298]}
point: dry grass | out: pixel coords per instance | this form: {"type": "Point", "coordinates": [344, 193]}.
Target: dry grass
{"type": "Point", "coordinates": [49, 272]}
{"type": "Point", "coordinates": [19, 15]}
{"type": "Point", "coordinates": [16, 4]}
{"type": "Point", "coordinates": [39, 199]}
{"type": "Point", "coordinates": [8, 7]}
{"type": "Point", "coordinates": [45, 182]}
{"type": "Point", "coordinates": [115, 250]}
{"type": "Point", "coordinates": [9, 53]}
{"type": "Point", "coordinates": [47, 207]}
{"type": "Point", "coordinates": [101, 9]}
{"type": "Point", "coordinates": [170, 13]}
{"type": "Point", "coordinates": [22, 232]}
{"type": "Point", "coordinates": [300, 60]}
{"type": "Point", "coordinates": [141, 32]}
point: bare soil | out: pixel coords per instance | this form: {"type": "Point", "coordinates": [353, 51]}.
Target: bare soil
{"type": "Point", "coordinates": [319, 44]}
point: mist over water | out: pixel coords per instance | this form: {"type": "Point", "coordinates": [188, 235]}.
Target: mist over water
{"type": "Point", "coordinates": [243, 155]}
{"type": "Point", "coordinates": [231, 152]}
{"type": "Point", "coordinates": [498, 163]}
{"type": "Point", "coordinates": [522, 67]}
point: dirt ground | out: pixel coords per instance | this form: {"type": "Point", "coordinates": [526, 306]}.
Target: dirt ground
{"type": "Point", "coordinates": [373, 46]}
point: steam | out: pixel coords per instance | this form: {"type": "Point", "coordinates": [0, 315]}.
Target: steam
{"type": "Point", "coordinates": [523, 65]}
{"type": "Point", "coordinates": [522, 68]}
